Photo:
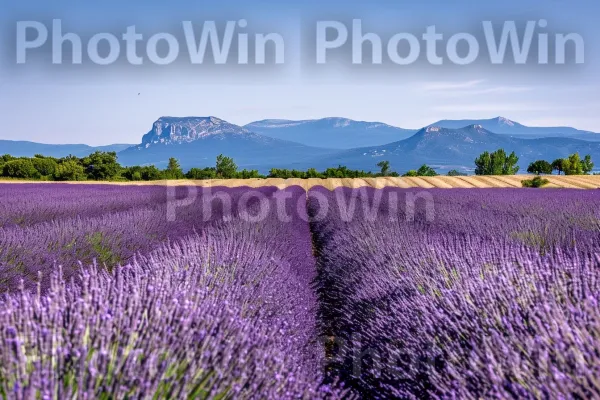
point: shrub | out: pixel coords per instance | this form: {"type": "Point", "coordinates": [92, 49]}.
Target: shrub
{"type": "Point", "coordinates": [536, 182]}
{"type": "Point", "coordinates": [69, 171]}
{"type": "Point", "coordinates": [45, 166]}
{"type": "Point", "coordinates": [20, 168]}
{"type": "Point", "coordinates": [454, 172]}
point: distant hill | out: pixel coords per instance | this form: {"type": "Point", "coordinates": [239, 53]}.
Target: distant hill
{"type": "Point", "coordinates": [505, 126]}
{"type": "Point", "coordinates": [197, 141]}
{"type": "Point", "coordinates": [454, 148]}
{"type": "Point", "coordinates": [334, 133]}
{"type": "Point", "coordinates": [29, 149]}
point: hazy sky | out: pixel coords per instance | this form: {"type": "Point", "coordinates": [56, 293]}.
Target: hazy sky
{"type": "Point", "coordinates": [118, 103]}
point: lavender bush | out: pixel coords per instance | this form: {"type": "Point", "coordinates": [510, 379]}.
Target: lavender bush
{"type": "Point", "coordinates": [48, 225]}
{"type": "Point", "coordinates": [495, 297]}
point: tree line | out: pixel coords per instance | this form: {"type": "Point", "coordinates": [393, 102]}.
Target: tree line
{"type": "Point", "coordinates": [104, 166]}
{"type": "Point", "coordinates": [499, 163]}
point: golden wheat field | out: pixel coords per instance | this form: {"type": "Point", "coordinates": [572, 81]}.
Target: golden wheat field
{"type": "Point", "coordinates": [442, 182]}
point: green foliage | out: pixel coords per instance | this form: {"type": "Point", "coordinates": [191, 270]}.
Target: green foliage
{"type": "Point", "coordinates": [587, 165]}
{"type": "Point", "coordinates": [496, 163]}
{"type": "Point", "coordinates": [137, 173]}
{"type": "Point", "coordinates": [225, 168]}
{"type": "Point", "coordinates": [540, 167]}
{"type": "Point", "coordinates": [6, 158]}
{"type": "Point", "coordinates": [173, 170]}
{"type": "Point", "coordinates": [344, 172]}
{"type": "Point", "coordinates": [21, 168]}
{"type": "Point", "coordinates": [385, 167]}
{"type": "Point", "coordinates": [101, 166]}
{"type": "Point", "coordinates": [339, 172]}
{"type": "Point", "coordinates": [151, 173]}
{"type": "Point", "coordinates": [536, 182]}
{"type": "Point", "coordinates": [291, 173]}
{"type": "Point", "coordinates": [204, 173]}
{"type": "Point", "coordinates": [572, 165]}
{"type": "Point", "coordinates": [248, 174]}
{"type": "Point", "coordinates": [132, 173]}
{"type": "Point", "coordinates": [69, 170]}
{"type": "Point", "coordinates": [46, 166]}
{"type": "Point", "coordinates": [454, 172]}
{"type": "Point", "coordinates": [558, 165]}
{"type": "Point", "coordinates": [312, 173]}
{"type": "Point", "coordinates": [424, 170]}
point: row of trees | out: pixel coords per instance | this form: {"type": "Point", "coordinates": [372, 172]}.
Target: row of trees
{"type": "Point", "coordinates": [103, 166]}
{"type": "Point", "coordinates": [500, 163]}
{"type": "Point", "coordinates": [339, 172]}
{"type": "Point", "coordinates": [572, 165]}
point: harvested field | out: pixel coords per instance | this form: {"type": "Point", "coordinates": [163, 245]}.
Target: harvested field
{"type": "Point", "coordinates": [441, 182]}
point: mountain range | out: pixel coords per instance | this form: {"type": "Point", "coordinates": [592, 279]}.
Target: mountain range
{"type": "Point", "coordinates": [197, 141]}
{"type": "Point", "coordinates": [329, 142]}
{"type": "Point", "coordinates": [505, 126]}
{"type": "Point", "coordinates": [334, 133]}
{"type": "Point", "coordinates": [457, 148]}
{"type": "Point", "coordinates": [29, 149]}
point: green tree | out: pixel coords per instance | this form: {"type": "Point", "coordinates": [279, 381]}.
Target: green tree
{"type": "Point", "coordinates": [496, 163]}
{"type": "Point", "coordinates": [151, 173]}
{"type": "Point", "coordinates": [572, 165]}
{"type": "Point", "coordinates": [69, 170]}
{"type": "Point", "coordinates": [411, 174]}
{"type": "Point", "coordinates": [46, 166]}
{"type": "Point", "coordinates": [313, 173]}
{"type": "Point", "coordinates": [201, 173]}
{"type": "Point", "coordinates": [248, 174]}
{"type": "Point", "coordinates": [540, 167]}
{"type": "Point", "coordinates": [587, 165]}
{"type": "Point", "coordinates": [483, 164]}
{"type": "Point", "coordinates": [426, 170]}
{"type": "Point", "coordinates": [510, 166]}
{"type": "Point", "coordinates": [558, 165]}
{"type": "Point", "coordinates": [21, 168]}
{"type": "Point", "coordinates": [101, 166]}
{"type": "Point", "coordinates": [225, 167]}
{"type": "Point", "coordinates": [385, 167]}
{"type": "Point", "coordinates": [173, 170]}
{"type": "Point", "coordinates": [6, 158]}
{"type": "Point", "coordinates": [132, 173]}
{"type": "Point", "coordinates": [454, 172]}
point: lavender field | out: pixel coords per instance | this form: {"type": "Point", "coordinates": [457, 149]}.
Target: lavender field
{"type": "Point", "coordinates": [161, 292]}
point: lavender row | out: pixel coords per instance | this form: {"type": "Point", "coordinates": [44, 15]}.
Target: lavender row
{"type": "Point", "coordinates": [29, 204]}
{"type": "Point", "coordinates": [454, 303]}
{"type": "Point", "coordinates": [226, 312]}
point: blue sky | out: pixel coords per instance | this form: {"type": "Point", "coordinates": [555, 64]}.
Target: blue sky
{"type": "Point", "coordinates": [100, 105]}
